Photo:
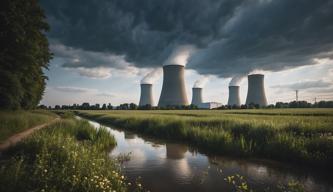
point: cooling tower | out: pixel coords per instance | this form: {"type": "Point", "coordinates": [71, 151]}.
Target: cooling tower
{"type": "Point", "coordinates": [196, 96]}
{"type": "Point", "coordinates": [146, 97]}
{"type": "Point", "coordinates": [256, 90]}
{"type": "Point", "coordinates": [234, 99]}
{"type": "Point", "coordinates": [173, 88]}
{"type": "Point", "coordinates": [175, 151]}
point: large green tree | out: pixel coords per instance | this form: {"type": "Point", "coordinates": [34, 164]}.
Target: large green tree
{"type": "Point", "coordinates": [24, 53]}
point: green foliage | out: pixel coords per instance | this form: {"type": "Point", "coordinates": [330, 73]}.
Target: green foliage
{"type": "Point", "coordinates": [16, 121]}
{"type": "Point", "coordinates": [303, 136]}
{"type": "Point", "coordinates": [52, 159]}
{"type": "Point", "coordinates": [24, 53]}
{"type": "Point", "coordinates": [65, 114]}
{"type": "Point", "coordinates": [11, 90]}
{"type": "Point", "coordinates": [238, 182]}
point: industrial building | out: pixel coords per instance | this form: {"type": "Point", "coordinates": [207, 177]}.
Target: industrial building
{"type": "Point", "coordinates": [209, 105]}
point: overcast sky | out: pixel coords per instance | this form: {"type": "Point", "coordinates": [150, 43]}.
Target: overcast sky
{"type": "Point", "coordinates": [103, 49]}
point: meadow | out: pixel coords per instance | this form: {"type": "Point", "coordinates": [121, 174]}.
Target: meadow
{"type": "Point", "coordinates": [69, 155]}
{"type": "Point", "coordinates": [300, 136]}
{"type": "Point", "coordinates": [16, 121]}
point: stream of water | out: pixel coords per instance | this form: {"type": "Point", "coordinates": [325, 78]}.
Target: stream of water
{"type": "Point", "coordinates": [170, 166]}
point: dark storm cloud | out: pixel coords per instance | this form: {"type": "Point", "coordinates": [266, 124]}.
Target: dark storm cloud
{"type": "Point", "coordinates": [75, 58]}
{"type": "Point", "coordinates": [232, 37]}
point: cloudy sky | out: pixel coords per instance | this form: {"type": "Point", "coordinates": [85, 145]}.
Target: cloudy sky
{"type": "Point", "coordinates": [103, 49]}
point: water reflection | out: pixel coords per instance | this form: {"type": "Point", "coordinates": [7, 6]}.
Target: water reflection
{"type": "Point", "coordinates": [169, 166]}
{"type": "Point", "coordinates": [129, 135]}
{"type": "Point", "coordinates": [175, 151]}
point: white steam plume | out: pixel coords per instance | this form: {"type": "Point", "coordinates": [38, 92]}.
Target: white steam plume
{"type": "Point", "coordinates": [236, 80]}
{"type": "Point", "coordinates": [152, 76]}
{"type": "Point", "coordinates": [200, 83]}
{"type": "Point", "coordinates": [257, 71]}
{"type": "Point", "coordinates": [180, 55]}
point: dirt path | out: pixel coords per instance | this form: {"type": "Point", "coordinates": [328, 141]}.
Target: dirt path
{"type": "Point", "coordinates": [19, 136]}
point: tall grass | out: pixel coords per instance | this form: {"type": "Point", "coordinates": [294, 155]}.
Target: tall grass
{"type": "Point", "coordinates": [69, 155]}
{"type": "Point", "coordinates": [12, 122]}
{"type": "Point", "coordinates": [291, 136]}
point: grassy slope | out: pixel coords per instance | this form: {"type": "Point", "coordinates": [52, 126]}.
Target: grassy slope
{"type": "Point", "coordinates": [16, 121]}
{"type": "Point", "coordinates": [291, 135]}
{"type": "Point", "coordinates": [69, 155]}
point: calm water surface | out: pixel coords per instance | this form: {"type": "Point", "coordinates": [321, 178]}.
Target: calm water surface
{"type": "Point", "coordinates": [169, 166]}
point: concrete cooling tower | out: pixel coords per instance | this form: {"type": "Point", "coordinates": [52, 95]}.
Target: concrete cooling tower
{"type": "Point", "coordinates": [196, 96]}
{"type": "Point", "coordinates": [173, 88]}
{"type": "Point", "coordinates": [256, 90]}
{"type": "Point", "coordinates": [175, 151]}
{"type": "Point", "coordinates": [234, 99]}
{"type": "Point", "coordinates": [146, 97]}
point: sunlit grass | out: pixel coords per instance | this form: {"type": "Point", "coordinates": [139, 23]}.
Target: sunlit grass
{"type": "Point", "coordinates": [12, 122]}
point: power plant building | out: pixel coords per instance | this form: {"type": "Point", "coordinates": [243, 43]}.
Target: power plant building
{"type": "Point", "coordinates": [209, 105]}
{"type": "Point", "coordinates": [146, 97]}
{"type": "Point", "coordinates": [256, 90]}
{"type": "Point", "coordinates": [196, 96]}
{"type": "Point", "coordinates": [234, 98]}
{"type": "Point", "coordinates": [173, 89]}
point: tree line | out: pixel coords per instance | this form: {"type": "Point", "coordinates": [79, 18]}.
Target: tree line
{"type": "Point", "coordinates": [24, 54]}
{"type": "Point", "coordinates": [278, 105]}
{"type": "Point", "coordinates": [133, 106]}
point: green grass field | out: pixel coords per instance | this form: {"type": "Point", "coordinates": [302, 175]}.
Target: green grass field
{"type": "Point", "coordinates": [12, 122]}
{"type": "Point", "coordinates": [69, 155]}
{"type": "Point", "coordinates": [302, 136]}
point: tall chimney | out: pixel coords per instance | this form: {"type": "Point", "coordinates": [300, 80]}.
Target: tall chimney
{"type": "Point", "coordinates": [256, 90]}
{"type": "Point", "coordinates": [196, 96]}
{"type": "Point", "coordinates": [146, 97]}
{"type": "Point", "coordinates": [173, 88]}
{"type": "Point", "coordinates": [234, 99]}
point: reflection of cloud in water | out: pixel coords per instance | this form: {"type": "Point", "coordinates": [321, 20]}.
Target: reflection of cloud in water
{"type": "Point", "coordinates": [181, 169]}
{"type": "Point", "coordinates": [139, 155]}
{"type": "Point", "coordinates": [140, 151]}
{"type": "Point", "coordinates": [135, 141]}
{"type": "Point", "coordinates": [250, 169]}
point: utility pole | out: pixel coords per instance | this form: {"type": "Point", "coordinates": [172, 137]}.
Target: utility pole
{"type": "Point", "coordinates": [296, 95]}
